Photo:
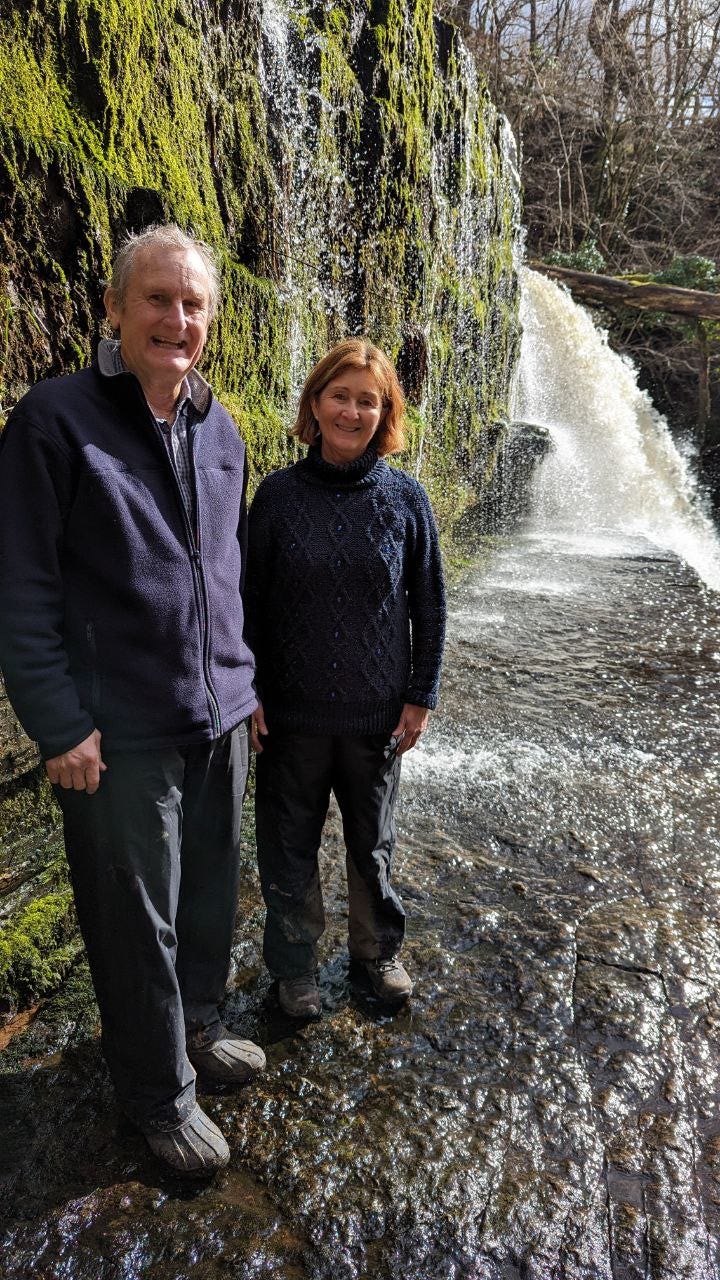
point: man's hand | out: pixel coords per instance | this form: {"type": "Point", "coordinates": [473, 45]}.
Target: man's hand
{"type": "Point", "coordinates": [258, 728]}
{"type": "Point", "coordinates": [79, 769]}
{"type": "Point", "coordinates": [413, 721]}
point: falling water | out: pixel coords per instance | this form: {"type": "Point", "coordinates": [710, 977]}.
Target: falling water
{"type": "Point", "coordinates": [315, 199]}
{"type": "Point", "coordinates": [560, 828]}
{"type": "Point", "coordinates": [613, 469]}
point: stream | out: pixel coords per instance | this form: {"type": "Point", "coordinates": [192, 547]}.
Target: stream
{"type": "Point", "coordinates": [547, 1105]}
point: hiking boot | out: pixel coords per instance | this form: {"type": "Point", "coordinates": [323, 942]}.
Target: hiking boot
{"type": "Point", "coordinates": [228, 1060]}
{"type": "Point", "coordinates": [389, 979]}
{"type": "Point", "coordinates": [195, 1149]}
{"type": "Point", "coordinates": [300, 997]}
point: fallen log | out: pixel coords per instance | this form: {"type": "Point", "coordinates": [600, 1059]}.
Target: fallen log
{"type": "Point", "coordinates": [628, 293]}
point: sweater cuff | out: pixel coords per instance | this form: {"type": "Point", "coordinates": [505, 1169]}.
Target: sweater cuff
{"type": "Point", "coordinates": [420, 698]}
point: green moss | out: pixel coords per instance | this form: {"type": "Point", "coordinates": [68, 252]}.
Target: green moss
{"type": "Point", "coordinates": [415, 435]}
{"type": "Point", "coordinates": [37, 947]}
{"type": "Point", "coordinates": [106, 99]}
{"type": "Point", "coordinates": [339, 87]}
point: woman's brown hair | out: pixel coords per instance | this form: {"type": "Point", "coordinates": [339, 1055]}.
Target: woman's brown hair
{"type": "Point", "coordinates": [356, 353]}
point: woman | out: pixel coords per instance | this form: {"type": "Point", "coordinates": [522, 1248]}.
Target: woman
{"type": "Point", "coordinates": [346, 605]}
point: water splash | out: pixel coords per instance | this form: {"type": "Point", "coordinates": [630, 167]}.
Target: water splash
{"type": "Point", "coordinates": [614, 466]}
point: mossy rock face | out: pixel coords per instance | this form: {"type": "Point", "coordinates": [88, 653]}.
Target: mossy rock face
{"type": "Point", "coordinates": [342, 159]}
{"type": "Point", "coordinates": [17, 753]}
{"type": "Point", "coordinates": [26, 807]}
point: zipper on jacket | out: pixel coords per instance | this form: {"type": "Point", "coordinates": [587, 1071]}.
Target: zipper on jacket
{"type": "Point", "coordinates": [197, 560]}
{"type": "Point", "coordinates": [201, 597]}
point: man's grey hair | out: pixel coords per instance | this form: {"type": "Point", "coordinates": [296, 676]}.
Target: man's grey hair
{"type": "Point", "coordinates": [162, 236]}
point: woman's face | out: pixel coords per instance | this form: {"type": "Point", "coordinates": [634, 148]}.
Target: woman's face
{"type": "Point", "coordinates": [349, 411]}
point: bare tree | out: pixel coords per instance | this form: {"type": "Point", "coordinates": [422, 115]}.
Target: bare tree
{"type": "Point", "coordinates": [616, 103]}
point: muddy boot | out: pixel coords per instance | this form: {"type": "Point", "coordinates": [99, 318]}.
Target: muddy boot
{"type": "Point", "coordinates": [195, 1149]}
{"type": "Point", "coordinates": [300, 997]}
{"type": "Point", "coordinates": [390, 980]}
{"type": "Point", "coordinates": [227, 1060]}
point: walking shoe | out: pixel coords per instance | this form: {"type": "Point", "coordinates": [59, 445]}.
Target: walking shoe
{"type": "Point", "coordinates": [195, 1149]}
{"type": "Point", "coordinates": [228, 1060]}
{"type": "Point", "coordinates": [389, 979]}
{"type": "Point", "coordinates": [300, 997]}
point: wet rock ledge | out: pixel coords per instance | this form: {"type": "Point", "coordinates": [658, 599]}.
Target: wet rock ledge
{"type": "Point", "coordinates": [548, 1105]}
{"type": "Point", "coordinates": [545, 1107]}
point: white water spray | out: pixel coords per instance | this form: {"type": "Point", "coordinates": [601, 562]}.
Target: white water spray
{"type": "Point", "coordinates": [614, 467]}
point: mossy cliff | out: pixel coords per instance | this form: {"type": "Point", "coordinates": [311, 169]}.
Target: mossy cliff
{"type": "Point", "coordinates": [343, 160]}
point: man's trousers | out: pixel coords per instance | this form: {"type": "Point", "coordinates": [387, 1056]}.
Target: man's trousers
{"type": "Point", "coordinates": [295, 775]}
{"type": "Point", "coordinates": [154, 863]}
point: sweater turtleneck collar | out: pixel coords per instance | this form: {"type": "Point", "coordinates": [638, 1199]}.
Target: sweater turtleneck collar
{"type": "Point", "coordinates": [346, 473]}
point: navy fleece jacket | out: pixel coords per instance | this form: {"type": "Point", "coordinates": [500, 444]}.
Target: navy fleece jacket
{"type": "Point", "coordinates": [114, 613]}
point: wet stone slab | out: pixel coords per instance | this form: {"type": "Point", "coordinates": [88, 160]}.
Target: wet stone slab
{"type": "Point", "coordinates": [547, 1105]}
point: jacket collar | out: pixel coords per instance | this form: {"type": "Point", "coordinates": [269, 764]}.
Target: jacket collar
{"type": "Point", "coordinates": [193, 388]}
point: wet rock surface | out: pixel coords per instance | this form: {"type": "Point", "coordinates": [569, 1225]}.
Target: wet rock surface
{"type": "Point", "coordinates": [547, 1104]}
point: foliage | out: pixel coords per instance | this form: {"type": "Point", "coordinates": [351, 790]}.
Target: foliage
{"type": "Point", "coordinates": [587, 257]}
{"type": "Point", "coordinates": [618, 109]}
{"type": "Point", "coordinates": [691, 271]}
{"type": "Point", "coordinates": [26, 805]}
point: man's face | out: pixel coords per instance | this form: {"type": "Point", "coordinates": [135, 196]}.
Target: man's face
{"type": "Point", "coordinates": [163, 319]}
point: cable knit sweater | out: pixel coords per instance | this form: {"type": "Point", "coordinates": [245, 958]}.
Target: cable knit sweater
{"type": "Point", "coordinates": [344, 596]}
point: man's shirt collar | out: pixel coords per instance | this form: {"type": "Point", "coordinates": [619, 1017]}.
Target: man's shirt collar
{"type": "Point", "coordinates": [193, 388]}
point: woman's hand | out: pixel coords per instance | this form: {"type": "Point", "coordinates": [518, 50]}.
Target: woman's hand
{"type": "Point", "coordinates": [258, 728]}
{"type": "Point", "coordinates": [412, 723]}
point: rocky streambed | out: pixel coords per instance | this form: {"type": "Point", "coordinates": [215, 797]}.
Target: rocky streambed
{"type": "Point", "coordinates": [547, 1105]}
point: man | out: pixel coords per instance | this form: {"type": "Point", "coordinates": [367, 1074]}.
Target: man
{"type": "Point", "coordinates": [122, 546]}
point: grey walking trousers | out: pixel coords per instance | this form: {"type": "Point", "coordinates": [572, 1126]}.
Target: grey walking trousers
{"type": "Point", "coordinates": [154, 862]}
{"type": "Point", "coordinates": [294, 777]}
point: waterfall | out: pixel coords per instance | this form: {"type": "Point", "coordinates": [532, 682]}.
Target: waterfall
{"type": "Point", "coordinates": [613, 468]}
{"type": "Point", "coordinates": [311, 196]}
